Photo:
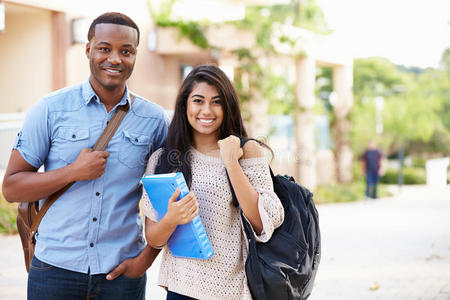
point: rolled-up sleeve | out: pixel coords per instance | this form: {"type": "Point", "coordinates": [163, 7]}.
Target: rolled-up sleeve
{"type": "Point", "coordinates": [269, 205]}
{"type": "Point", "coordinates": [33, 140]}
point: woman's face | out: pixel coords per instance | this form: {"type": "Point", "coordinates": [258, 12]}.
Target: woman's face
{"type": "Point", "coordinates": [204, 110]}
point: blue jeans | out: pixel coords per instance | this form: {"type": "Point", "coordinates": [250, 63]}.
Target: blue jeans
{"type": "Point", "coordinates": [371, 185]}
{"type": "Point", "coordinates": [47, 282]}
{"type": "Point", "coordinates": [175, 296]}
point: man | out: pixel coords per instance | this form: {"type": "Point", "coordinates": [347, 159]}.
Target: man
{"type": "Point", "coordinates": [372, 160]}
{"type": "Point", "coordinates": [95, 225]}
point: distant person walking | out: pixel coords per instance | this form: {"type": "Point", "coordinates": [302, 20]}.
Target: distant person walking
{"type": "Point", "coordinates": [372, 160]}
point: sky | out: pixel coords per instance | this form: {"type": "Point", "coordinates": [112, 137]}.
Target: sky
{"type": "Point", "coordinates": [407, 32]}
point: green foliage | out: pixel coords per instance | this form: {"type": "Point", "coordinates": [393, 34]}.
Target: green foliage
{"type": "Point", "coordinates": [189, 29]}
{"type": "Point", "coordinates": [264, 20]}
{"type": "Point", "coordinates": [354, 191]}
{"type": "Point", "coordinates": [410, 176]}
{"type": "Point", "coordinates": [340, 193]}
{"type": "Point", "coordinates": [445, 61]}
{"type": "Point", "coordinates": [254, 81]}
{"type": "Point", "coordinates": [8, 213]}
{"type": "Point", "coordinates": [376, 77]}
{"type": "Point", "coordinates": [416, 111]}
{"type": "Point", "coordinates": [337, 193]}
{"type": "Point", "coordinates": [280, 94]}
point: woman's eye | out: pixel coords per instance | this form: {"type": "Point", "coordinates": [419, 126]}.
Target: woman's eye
{"type": "Point", "coordinates": [197, 100]}
{"type": "Point", "coordinates": [217, 102]}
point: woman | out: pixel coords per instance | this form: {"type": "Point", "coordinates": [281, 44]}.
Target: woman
{"type": "Point", "coordinates": [202, 142]}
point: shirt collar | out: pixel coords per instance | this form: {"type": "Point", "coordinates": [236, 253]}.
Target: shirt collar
{"type": "Point", "coordinates": [89, 94]}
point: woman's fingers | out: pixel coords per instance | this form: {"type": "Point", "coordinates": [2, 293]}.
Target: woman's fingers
{"type": "Point", "coordinates": [174, 196]}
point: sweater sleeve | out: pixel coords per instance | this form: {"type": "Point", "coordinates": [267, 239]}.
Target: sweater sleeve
{"type": "Point", "coordinates": [147, 208]}
{"type": "Point", "coordinates": [269, 205]}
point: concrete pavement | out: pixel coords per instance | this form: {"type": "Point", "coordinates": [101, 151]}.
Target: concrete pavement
{"type": "Point", "coordinates": [397, 248]}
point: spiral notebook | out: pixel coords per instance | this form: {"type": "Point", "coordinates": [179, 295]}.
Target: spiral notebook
{"type": "Point", "coordinates": [189, 240]}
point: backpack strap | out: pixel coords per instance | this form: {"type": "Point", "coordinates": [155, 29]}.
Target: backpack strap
{"type": "Point", "coordinates": [258, 293]}
{"type": "Point", "coordinates": [244, 140]}
{"type": "Point", "coordinates": [100, 145]}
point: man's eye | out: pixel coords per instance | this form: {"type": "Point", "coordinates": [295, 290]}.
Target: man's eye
{"type": "Point", "coordinates": [104, 49]}
{"type": "Point", "coordinates": [126, 52]}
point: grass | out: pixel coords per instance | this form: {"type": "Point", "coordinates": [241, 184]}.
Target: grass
{"type": "Point", "coordinates": [8, 213]}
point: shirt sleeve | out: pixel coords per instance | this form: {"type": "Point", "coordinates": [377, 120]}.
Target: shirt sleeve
{"type": "Point", "coordinates": [33, 140]}
{"type": "Point", "coordinates": [269, 205]}
{"type": "Point", "coordinates": [147, 208]}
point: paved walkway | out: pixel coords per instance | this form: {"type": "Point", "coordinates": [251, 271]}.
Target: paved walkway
{"type": "Point", "coordinates": [396, 248]}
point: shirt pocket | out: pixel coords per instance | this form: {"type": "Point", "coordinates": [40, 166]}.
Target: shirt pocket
{"type": "Point", "coordinates": [71, 141]}
{"type": "Point", "coordinates": [134, 149]}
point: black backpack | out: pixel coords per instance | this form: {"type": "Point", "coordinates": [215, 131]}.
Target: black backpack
{"type": "Point", "coordinates": [285, 267]}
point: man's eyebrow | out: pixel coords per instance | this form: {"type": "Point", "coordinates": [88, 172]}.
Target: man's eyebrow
{"type": "Point", "coordinates": [103, 43]}
{"type": "Point", "coordinates": [108, 44]}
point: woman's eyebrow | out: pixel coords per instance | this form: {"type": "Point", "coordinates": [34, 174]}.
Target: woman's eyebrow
{"type": "Point", "coordinates": [197, 95]}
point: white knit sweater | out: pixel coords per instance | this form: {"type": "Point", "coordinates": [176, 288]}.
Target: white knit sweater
{"type": "Point", "coordinates": [222, 276]}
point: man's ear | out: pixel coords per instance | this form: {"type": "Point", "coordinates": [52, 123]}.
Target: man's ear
{"type": "Point", "coordinates": [88, 49]}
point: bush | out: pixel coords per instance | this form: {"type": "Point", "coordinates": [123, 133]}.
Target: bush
{"type": "Point", "coordinates": [410, 176]}
{"type": "Point", "coordinates": [334, 193]}
{"type": "Point", "coordinates": [338, 193]}
{"type": "Point", "coordinates": [8, 213]}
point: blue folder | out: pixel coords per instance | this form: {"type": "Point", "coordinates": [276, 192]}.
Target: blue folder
{"type": "Point", "coordinates": [189, 240]}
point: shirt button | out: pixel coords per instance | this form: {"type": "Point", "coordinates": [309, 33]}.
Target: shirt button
{"type": "Point", "coordinates": [94, 219]}
{"type": "Point", "coordinates": [91, 244]}
{"type": "Point", "coordinates": [74, 136]}
{"type": "Point", "coordinates": [97, 194]}
{"type": "Point", "coordinates": [136, 140]}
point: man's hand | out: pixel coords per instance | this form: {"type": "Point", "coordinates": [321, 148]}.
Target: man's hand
{"type": "Point", "coordinates": [135, 267]}
{"type": "Point", "coordinates": [89, 164]}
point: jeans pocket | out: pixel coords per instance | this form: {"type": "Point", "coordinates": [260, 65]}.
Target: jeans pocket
{"type": "Point", "coordinates": [125, 277]}
{"type": "Point", "coordinates": [36, 264]}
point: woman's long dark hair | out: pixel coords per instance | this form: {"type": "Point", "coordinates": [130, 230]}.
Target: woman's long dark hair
{"type": "Point", "coordinates": [176, 155]}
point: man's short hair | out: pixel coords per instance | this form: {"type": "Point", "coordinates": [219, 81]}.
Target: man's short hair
{"type": "Point", "coordinates": [112, 18]}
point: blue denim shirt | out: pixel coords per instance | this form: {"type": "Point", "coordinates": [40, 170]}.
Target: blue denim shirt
{"type": "Point", "coordinates": [95, 225]}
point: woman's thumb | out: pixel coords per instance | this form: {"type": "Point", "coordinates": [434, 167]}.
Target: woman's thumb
{"type": "Point", "coordinates": [174, 196]}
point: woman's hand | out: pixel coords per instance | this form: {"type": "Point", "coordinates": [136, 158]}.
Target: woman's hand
{"type": "Point", "coordinates": [230, 150]}
{"type": "Point", "coordinates": [181, 211]}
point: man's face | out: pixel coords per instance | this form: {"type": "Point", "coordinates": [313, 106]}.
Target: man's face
{"type": "Point", "coordinates": [112, 54]}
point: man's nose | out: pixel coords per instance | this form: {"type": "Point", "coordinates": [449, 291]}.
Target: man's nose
{"type": "Point", "coordinates": [114, 58]}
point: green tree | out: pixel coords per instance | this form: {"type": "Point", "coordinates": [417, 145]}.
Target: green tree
{"type": "Point", "coordinates": [416, 104]}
